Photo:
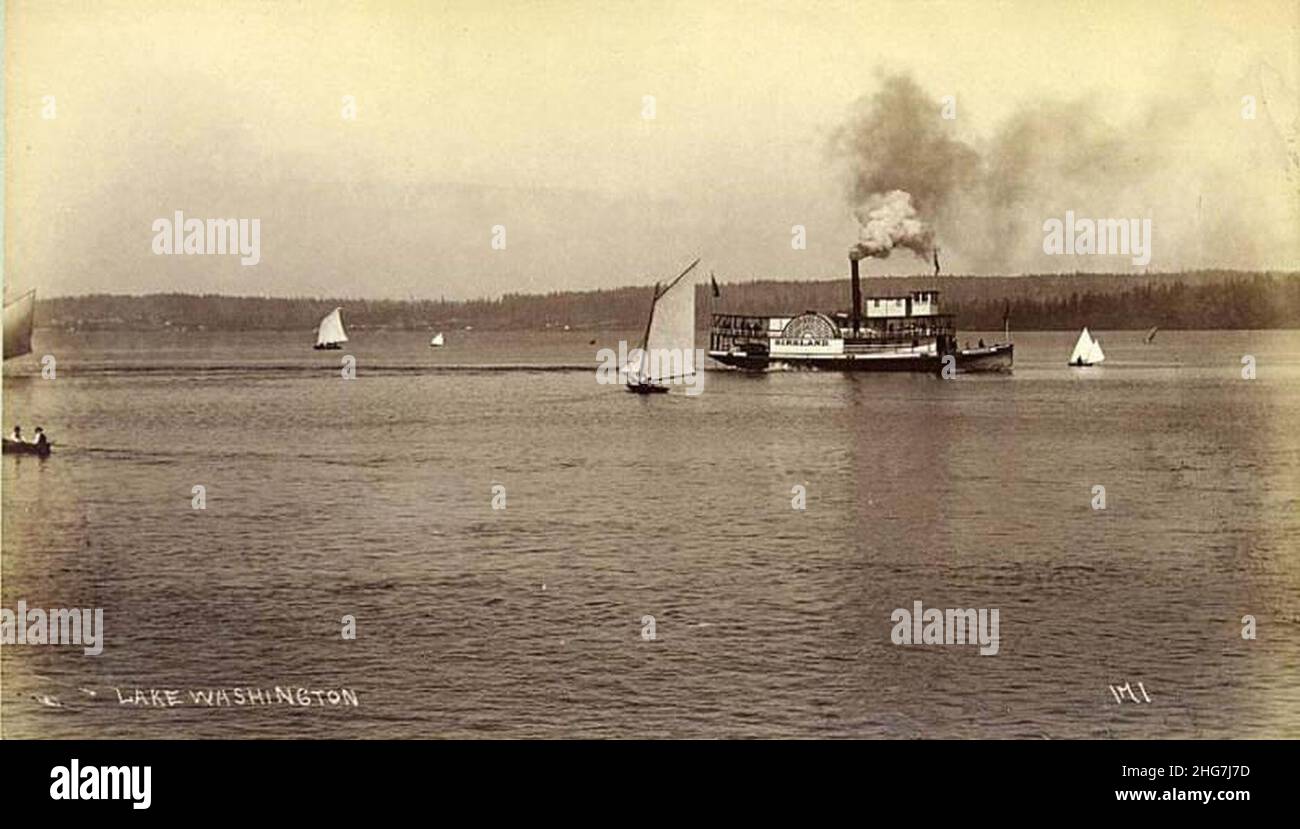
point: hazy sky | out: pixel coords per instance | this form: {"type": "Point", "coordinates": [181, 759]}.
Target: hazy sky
{"type": "Point", "coordinates": [532, 116]}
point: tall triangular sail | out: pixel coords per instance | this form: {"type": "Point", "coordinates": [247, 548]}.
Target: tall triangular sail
{"type": "Point", "coordinates": [670, 345]}
{"type": "Point", "coordinates": [18, 325]}
{"type": "Point", "coordinates": [1082, 348]}
{"type": "Point", "coordinates": [331, 329]}
{"type": "Point", "coordinates": [668, 350]}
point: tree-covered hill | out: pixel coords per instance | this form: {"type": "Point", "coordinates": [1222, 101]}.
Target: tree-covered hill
{"type": "Point", "coordinates": [1197, 300]}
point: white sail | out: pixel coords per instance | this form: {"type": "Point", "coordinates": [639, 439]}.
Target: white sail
{"type": "Point", "coordinates": [437, 340]}
{"type": "Point", "coordinates": [670, 346]}
{"type": "Point", "coordinates": [331, 329]}
{"type": "Point", "coordinates": [1082, 348]}
{"type": "Point", "coordinates": [18, 325]}
{"type": "Point", "coordinates": [1094, 354]}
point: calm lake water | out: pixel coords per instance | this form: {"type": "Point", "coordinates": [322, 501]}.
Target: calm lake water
{"type": "Point", "coordinates": [373, 498]}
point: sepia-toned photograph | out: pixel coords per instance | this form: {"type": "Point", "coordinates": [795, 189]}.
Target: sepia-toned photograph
{"type": "Point", "coordinates": [718, 370]}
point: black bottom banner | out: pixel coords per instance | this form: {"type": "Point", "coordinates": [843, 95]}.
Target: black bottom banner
{"type": "Point", "coordinates": [301, 779]}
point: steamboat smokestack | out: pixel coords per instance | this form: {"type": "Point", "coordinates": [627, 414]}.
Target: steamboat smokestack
{"type": "Point", "coordinates": [855, 315]}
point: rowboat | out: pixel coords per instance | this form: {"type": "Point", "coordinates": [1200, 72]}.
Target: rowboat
{"type": "Point", "coordinates": [14, 447]}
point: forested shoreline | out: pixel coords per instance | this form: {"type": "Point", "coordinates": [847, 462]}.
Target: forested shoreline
{"type": "Point", "coordinates": [1194, 300]}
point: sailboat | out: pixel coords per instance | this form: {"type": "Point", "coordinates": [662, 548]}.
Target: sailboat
{"type": "Point", "coordinates": [18, 325]}
{"type": "Point", "coordinates": [669, 331]}
{"type": "Point", "coordinates": [1087, 351]}
{"type": "Point", "coordinates": [331, 333]}
{"type": "Point", "coordinates": [437, 341]}
{"type": "Point", "coordinates": [1151, 335]}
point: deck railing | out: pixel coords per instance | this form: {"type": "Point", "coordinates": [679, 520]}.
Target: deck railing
{"type": "Point", "coordinates": [728, 331]}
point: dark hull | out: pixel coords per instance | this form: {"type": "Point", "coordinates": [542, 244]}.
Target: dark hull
{"type": "Point", "coordinates": [918, 364]}
{"type": "Point", "coordinates": [15, 448]}
{"type": "Point", "coordinates": [998, 357]}
{"type": "Point", "coordinates": [994, 358]}
{"type": "Point", "coordinates": [646, 388]}
{"type": "Point", "coordinates": [328, 347]}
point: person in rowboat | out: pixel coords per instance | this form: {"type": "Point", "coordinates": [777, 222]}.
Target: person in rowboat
{"type": "Point", "coordinates": [41, 440]}
{"type": "Point", "coordinates": [18, 434]}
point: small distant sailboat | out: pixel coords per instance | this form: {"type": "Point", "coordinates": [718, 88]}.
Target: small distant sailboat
{"type": "Point", "coordinates": [672, 328]}
{"type": "Point", "coordinates": [1151, 335]}
{"type": "Point", "coordinates": [331, 333]}
{"type": "Point", "coordinates": [18, 325]}
{"type": "Point", "coordinates": [437, 341]}
{"type": "Point", "coordinates": [1087, 351]}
